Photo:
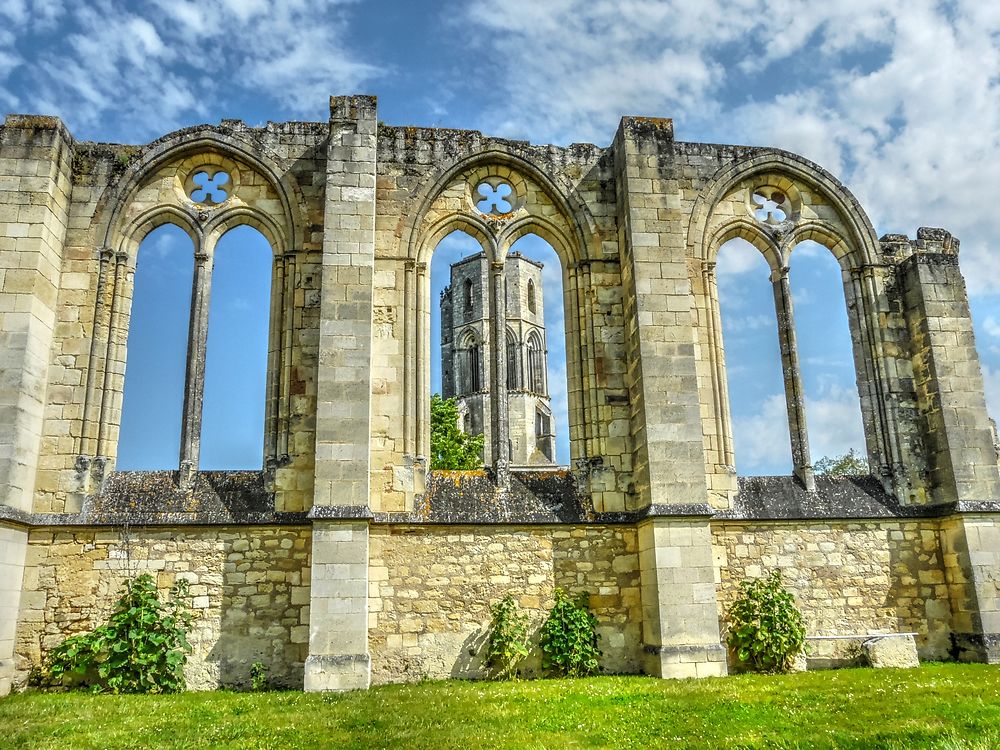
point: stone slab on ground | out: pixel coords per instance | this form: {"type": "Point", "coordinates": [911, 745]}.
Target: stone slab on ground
{"type": "Point", "coordinates": [897, 651]}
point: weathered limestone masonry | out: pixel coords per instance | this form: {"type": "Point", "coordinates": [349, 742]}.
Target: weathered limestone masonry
{"type": "Point", "coordinates": [344, 560]}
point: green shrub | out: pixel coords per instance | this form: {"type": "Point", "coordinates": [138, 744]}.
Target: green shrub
{"type": "Point", "coordinates": [142, 648]}
{"type": "Point", "coordinates": [258, 677]}
{"type": "Point", "coordinates": [569, 638]}
{"type": "Point", "coordinates": [765, 628]}
{"type": "Point", "coordinates": [507, 643]}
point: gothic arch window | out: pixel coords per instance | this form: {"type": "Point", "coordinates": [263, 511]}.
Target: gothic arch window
{"type": "Point", "coordinates": [149, 436]}
{"type": "Point", "coordinates": [233, 414]}
{"type": "Point", "coordinates": [471, 362]}
{"type": "Point", "coordinates": [513, 363]}
{"type": "Point", "coordinates": [531, 296]}
{"type": "Point", "coordinates": [188, 186]}
{"type": "Point", "coordinates": [536, 364]}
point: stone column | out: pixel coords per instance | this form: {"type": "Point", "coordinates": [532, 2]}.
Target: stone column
{"type": "Point", "coordinates": [500, 413]}
{"type": "Point", "coordinates": [680, 613]}
{"type": "Point", "coordinates": [194, 377]}
{"type": "Point", "coordinates": [680, 620]}
{"type": "Point", "coordinates": [13, 550]}
{"type": "Point", "coordinates": [36, 155]}
{"type": "Point", "coordinates": [947, 377]}
{"type": "Point", "coordinates": [338, 628]}
{"type": "Point", "coordinates": [970, 545]}
{"type": "Point", "coordinates": [670, 459]}
{"type": "Point", "coordinates": [960, 457]}
{"type": "Point", "coordinates": [794, 393]}
{"type": "Point", "coordinates": [114, 359]}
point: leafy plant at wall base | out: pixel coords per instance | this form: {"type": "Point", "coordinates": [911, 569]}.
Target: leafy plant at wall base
{"type": "Point", "coordinates": [258, 677]}
{"type": "Point", "coordinates": [569, 638]}
{"type": "Point", "coordinates": [450, 447]}
{"type": "Point", "coordinates": [142, 648]}
{"type": "Point", "coordinates": [507, 643]}
{"type": "Point", "coordinates": [765, 628]}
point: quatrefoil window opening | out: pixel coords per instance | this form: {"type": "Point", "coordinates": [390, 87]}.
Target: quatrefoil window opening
{"type": "Point", "coordinates": [495, 199]}
{"type": "Point", "coordinates": [770, 205]}
{"type": "Point", "coordinates": [209, 186]}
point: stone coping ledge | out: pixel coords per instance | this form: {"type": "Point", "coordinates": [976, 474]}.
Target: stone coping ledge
{"type": "Point", "coordinates": [472, 498]}
{"type": "Point", "coordinates": [340, 512]}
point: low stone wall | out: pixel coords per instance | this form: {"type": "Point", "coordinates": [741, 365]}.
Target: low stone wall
{"type": "Point", "coordinates": [847, 577]}
{"type": "Point", "coordinates": [431, 589]}
{"type": "Point", "coordinates": [250, 589]}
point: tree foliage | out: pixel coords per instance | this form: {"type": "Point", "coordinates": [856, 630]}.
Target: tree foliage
{"type": "Point", "coordinates": [141, 649]}
{"type": "Point", "coordinates": [450, 447]}
{"type": "Point", "coordinates": [846, 465]}
{"type": "Point", "coordinates": [765, 628]}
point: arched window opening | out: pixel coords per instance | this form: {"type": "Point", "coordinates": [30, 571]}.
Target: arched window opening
{"type": "Point", "coordinates": [544, 437]}
{"type": "Point", "coordinates": [232, 428]}
{"type": "Point", "coordinates": [826, 356]}
{"type": "Point", "coordinates": [472, 371]}
{"type": "Point", "coordinates": [152, 407]}
{"type": "Point", "coordinates": [459, 332]}
{"type": "Point", "coordinates": [753, 368]}
{"type": "Point", "coordinates": [536, 364]}
{"type": "Point", "coordinates": [467, 295]}
{"type": "Point", "coordinates": [538, 404]}
{"type": "Point", "coordinates": [513, 363]}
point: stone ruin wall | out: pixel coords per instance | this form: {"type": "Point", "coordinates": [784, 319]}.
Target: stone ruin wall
{"type": "Point", "coordinates": [653, 521]}
{"type": "Point", "coordinates": [430, 589]}
{"type": "Point", "coordinates": [249, 588]}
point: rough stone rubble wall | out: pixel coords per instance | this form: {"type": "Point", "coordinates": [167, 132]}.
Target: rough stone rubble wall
{"type": "Point", "coordinates": [250, 589]}
{"type": "Point", "coordinates": [431, 589]}
{"type": "Point", "coordinates": [848, 578]}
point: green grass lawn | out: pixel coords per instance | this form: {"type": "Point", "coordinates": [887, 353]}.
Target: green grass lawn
{"type": "Point", "coordinates": [937, 706]}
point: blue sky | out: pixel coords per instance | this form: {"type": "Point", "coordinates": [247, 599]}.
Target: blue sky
{"type": "Point", "coordinates": [901, 101]}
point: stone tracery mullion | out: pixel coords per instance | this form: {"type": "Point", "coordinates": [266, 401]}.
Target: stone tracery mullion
{"type": "Point", "coordinates": [498, 375]}
{"type": "Point", "coordinates": [194, 377]}
{"type": "Point", "coordinates": [99, 340]}
{"type": "Point", "coordinates": [794, 392]}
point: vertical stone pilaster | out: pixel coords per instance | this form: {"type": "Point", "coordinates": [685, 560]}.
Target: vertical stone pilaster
{"type": "Point", "coordinates": [345, 336]}
{"type": "Point", "coordinates": [13, 551]}
{"type": "Point", "coordinates": [338, 631]}
{"type": "Point", "coordinates": [680, 619]}
{"type": "Point", "coordinates": [36, 157]}
{"type": "Point", "coordinates": [970, 545]}
{"type": "Point", "coordinates": [670, 461]}
{"type": "Point", "coordinates": [947, 378]}
{"type": "Point", "coordinates": [338, 610]}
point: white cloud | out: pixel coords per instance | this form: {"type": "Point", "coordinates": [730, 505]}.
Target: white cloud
{"type": "Point", "coordinates": [151, 70]}
{"type": "Point", "coordinates": [761, 439]}
{"type": "Point", "coordinates": [834, 421]}
{"type": "Point", "coordinates": [992, 326]}
{"type": "Point", "coordinates": [901, 101]}
{"type": "Point", "coordinates": [741, 324]}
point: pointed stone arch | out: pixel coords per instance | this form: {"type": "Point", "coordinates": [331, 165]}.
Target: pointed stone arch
{"type": "Point", "coordinates": [824, 210]}
{"type": "Point", "coordinates": [154, 190]}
